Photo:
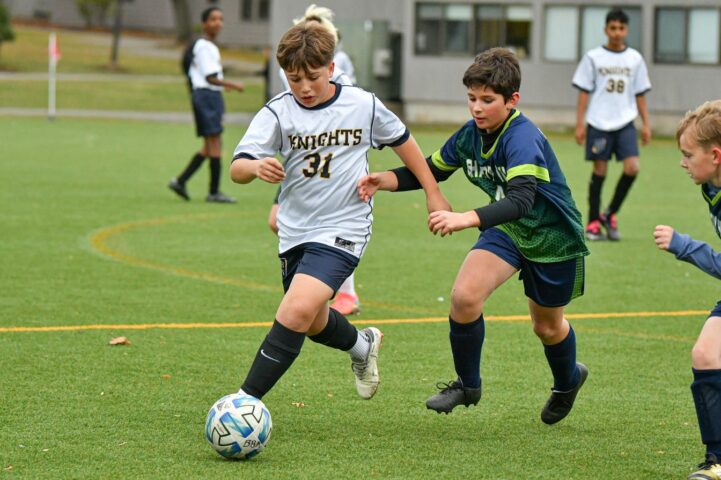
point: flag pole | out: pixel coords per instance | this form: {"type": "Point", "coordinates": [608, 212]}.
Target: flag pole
{"type": "Point", "coordinates": [52, 64]}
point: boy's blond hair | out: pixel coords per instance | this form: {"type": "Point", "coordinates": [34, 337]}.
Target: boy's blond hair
{"type": "Point", "coordinates": [306, 46]}
{"type": "Point", "coordinates": [323, 15]}
{"type": "Point", "coordinates": [703, 124]}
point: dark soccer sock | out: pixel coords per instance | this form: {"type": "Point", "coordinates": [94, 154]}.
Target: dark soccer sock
{"type": "Point", "coordinates": [192, 167]}
{"type": "Point", "coordinates": [594, 196]}
{"type": "Point", "coordinates": [622, 188]}
{"type": "Point", "coordinates": [562, 360]}
{"type": "Point", "coordinates": [214, 174]}
{"type": "Point", "coordinates": [339, 333]}
{"type": "Point", "coordinates": [275, 355]}
{"type": "Point", "coordinates": [706, 390]}
{"type": "Point", "coordinates": [466, 344]}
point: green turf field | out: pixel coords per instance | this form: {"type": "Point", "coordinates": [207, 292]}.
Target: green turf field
{"type": "Point", "coordinates": [92, 238]}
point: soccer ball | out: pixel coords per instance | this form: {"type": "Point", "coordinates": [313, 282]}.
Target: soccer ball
{"type": "Point", "coordinates": [238, 426]}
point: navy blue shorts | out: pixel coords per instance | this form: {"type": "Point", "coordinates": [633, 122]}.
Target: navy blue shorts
{"type": "Point", "coordinates": [716, 312]}
{"type": "Point", "coordinates": [547, 284]}
{"type": "Point", "coordinates": [208, 109]}
{"type": "Point", "coordinates": [601, 145]}
{"type": "Point", "coordinates": [329, 265]}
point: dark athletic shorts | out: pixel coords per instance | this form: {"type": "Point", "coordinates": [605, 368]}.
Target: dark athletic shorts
{"type": "Point", "coordinates": [328, 264]}
{"type": "Point", "coordinates": [547, 284]}
{"type": "Point", "coordinates": [208, 109]}
{"type": "Point", "coordinates": [600, 145]}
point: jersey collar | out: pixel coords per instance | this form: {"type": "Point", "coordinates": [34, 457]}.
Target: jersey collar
{"type": "Point", "coordinates": [508, 121]}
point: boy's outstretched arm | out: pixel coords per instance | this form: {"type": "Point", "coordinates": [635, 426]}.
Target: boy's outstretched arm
{"type": "Point", "coordinates": [411, 155]}
{"type": "Point", "coordinates": [268, 169]}
{"type": "Point", "coordinates": [689, 250]}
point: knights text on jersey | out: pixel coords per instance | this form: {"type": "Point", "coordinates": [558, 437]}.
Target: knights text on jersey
{"type": "Point", "coordinates": [613, 80]}
{"type": "Point", "coordinates": [206, 61]}
{"type": "Point", "coordinates": [324, 150]}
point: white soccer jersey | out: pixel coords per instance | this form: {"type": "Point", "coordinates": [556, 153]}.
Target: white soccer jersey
{"type": "Point", "coordinates": [613, 80]}
{"type": "Point", "coordinates": [343, 61]}
{"type": "Point", "coordinates": [338, 76]}
{"type": "Point", "coordinates": [325, 152]}
{"type": "Point", "coordinates": [206, 61]}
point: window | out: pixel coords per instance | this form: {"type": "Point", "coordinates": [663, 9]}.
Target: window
{"type": "Point", "coordinates": [465, 29]}
{"type": "Point", "coordinates": [251, 10]}
{"type": "Point", "coordinates": [571, 31]}
{"type": "Point", "coordinates": [246, 9]}
{"type": "Point", "coordinates": [687, 35]}
{"type": "Point", "coordinates": [264, 9]}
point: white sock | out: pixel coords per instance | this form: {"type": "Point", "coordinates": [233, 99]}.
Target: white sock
{"type": "Point", "coordinates": [348, 286]}
{"type": "Point", "coordinates": [359, 352]}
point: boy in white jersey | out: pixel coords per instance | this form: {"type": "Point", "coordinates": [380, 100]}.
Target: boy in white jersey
{"type": "Point", "coordinates": [699, 138]}
{"type": "Point", "coordinates": [612, 81]}
{"type": "Point", "coordinates": [346, 301]}
{"type": "Point", "coordinates": [207, 83]}
{"type": "Point", "coordinates": [323, 131]}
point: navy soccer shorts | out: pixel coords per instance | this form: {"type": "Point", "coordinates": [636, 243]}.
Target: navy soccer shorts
{"type": "Point", "coordinates": [547, 284]}
{"type": "Point", "coordinates": [716, 312]}
{"type": "Point", "coordinates": [328, 264]}
{"type": "Point", "coordinates": [208, 110]}
{"type": "Point", "coordinates": [600, 145]}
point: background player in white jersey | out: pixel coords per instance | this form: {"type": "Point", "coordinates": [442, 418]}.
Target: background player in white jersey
{"type": "Point", "coordinates": [346, 301]}
{"type": "Point", "coordinates": [206, 79]}
{"type": "Point", "coordinates": [323, 131]}
{"type": "Point", "coordinates": [612, 81]}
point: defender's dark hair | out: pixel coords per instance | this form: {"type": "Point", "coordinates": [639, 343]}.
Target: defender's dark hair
{"type": "Point", "coordinates": [206, 13]}
{"type": "Point", "coordinates": [616, 14]}
{"type": "Point", "coordinates": [305, 46]}
{"type": "Point", "coordinates": [496, 68]}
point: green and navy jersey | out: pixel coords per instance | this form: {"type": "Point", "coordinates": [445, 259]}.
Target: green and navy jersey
{"type": "Point", "coordinates": [712, 195]}
{"type": "Point", "coordinates": [552, 231]}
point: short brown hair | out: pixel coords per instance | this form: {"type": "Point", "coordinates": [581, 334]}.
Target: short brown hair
{"type": "Point", "coordinates": [496, 68]}
{"type": "Point", "coordinates": [305, 46]}
{"type": "Point", "coordinates": [704, 123]}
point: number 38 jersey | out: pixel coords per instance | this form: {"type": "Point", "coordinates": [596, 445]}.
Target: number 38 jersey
{"type": "Point", "coordinates": [613, 80]}
{"type": "Point", "coordinates": [325, 154]}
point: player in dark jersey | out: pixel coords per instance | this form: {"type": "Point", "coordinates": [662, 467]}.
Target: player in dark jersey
{"type": "Point", "coordinates": [531, 226]}
{"type": "Point", "coordinates": [699, 138]}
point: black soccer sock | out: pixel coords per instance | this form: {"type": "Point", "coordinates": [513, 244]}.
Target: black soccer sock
{"type": "Point", "coordinates": [338, 333]}
{"type": "Point", "coordinates": [594, 197]}
{"type": "Point", "coordinates": [275, 355]}
{"type": "Point", "coordinates": [706, 391]}
{"type": "Point", "coordinates": [622, 188]}
{"type": "Point", "coordinates": [562, 360]}
{"type": "Point", "coordinates": [214, 175]}
{"type": "Point", "coordinates": [192, 167]}
{"type": "Point", "coordinates": [466, 344]}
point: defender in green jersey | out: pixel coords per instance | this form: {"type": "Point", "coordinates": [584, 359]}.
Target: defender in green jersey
{"type": "Point", "coordinates": [532, 225]}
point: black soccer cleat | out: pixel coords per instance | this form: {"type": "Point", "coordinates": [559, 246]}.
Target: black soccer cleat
{"type": "Point", "coordinates": [178, 188]}
{"type": "Point", "coordinates": [451, 395]}
{"type": "Point", "coordinates": [710, 469]}
{"type": "Point", "coordinates": [559, 404]}
{"type": "Point", "coordinates": [219, 197]}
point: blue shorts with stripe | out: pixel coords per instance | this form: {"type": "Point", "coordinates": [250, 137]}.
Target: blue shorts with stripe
{"type": "Point", "coordinates": [716, 312]}
{"type": "Point", "coordinates": [208, 110]}
{"type": "Point", "coordinates": [328, 264]}
{"type": "Point", "coordinates": [622, 143]}
{"type": "Point", "coordinates": [547, 284]}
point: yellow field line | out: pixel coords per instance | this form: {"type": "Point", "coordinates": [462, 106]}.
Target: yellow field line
{"type": "Point", "coordinates": [394, 321]}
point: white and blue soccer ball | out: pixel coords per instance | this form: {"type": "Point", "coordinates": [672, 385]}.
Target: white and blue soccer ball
{"type": "Point", "coordinates": [238, 426]}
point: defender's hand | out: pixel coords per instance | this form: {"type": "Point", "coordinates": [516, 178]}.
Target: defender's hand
{"type": "Point", "coordinates": [580, 134]}
{"type": "Point", "coordinates": [662, 235]}
{"type": "Point", "coordinates": [368, 186]}
{"type": "Point", "coordinates": [449, 222]}
{"type": "Point", "coordinates": [270, 170]}
{"type": "Point", "coordinates": [645, 134]}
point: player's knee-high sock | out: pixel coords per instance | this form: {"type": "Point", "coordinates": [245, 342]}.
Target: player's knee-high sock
{"type": "Point", "coordinates": [562, 360]}
{"type": "Point", "coordinates": [340, 334]}
{"type": "Point", "coordinates": [466, 343]}
{"type": "Point", "coordinates": [275, 355]}
{"type": "Point", "coordinates": [594, 197]}
{"type": "Point", "coordinates": [214, 174]}
{"type": "Point", "coordinates": [622, 188]}
{"type": "Point", "coordinates": [192, 167]}
{"type": "Point", "coordinates": [706, 390]}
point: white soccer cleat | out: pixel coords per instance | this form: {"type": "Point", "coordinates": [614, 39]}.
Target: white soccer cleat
{"type": "Point", "coordinates": [367, 378]}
